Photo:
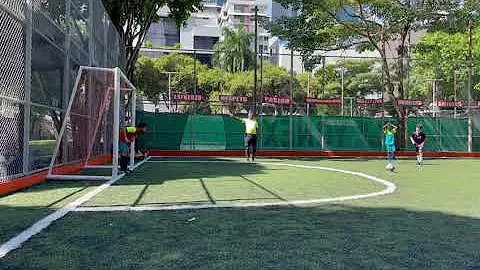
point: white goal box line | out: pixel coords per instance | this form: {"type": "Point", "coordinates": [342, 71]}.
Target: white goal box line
{"type": "Point", "coordinates": [389, 189]}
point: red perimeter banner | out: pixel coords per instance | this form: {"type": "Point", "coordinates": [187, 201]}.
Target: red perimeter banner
{"type": "Point", "coordinates": [450, 104]}
{"type": "Point", "coordinates": [186, 97]}
{"type": "Point", "coordinates": [233, 99]}
{"type": "Point", "coordinates": [370, 101]}
{"type": "Point", "coordinates": [328, 101]}
{"type": "Point", "coordinates": [277, 100]}
{"type": "Point", "coordinates": [410, 102]}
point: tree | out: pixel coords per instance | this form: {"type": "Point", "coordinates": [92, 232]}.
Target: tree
{"type": "Point", "coordinates": [361, 77]}
{"type": "Point", "coordinates": [444, 56]}
{"type": "Point", "coordinates": [365, 25]}
{"type": "Point", "coordinates": [234, 53]}
{"type": "Point", "coordinates": [275, 80]}
{"type": "Point", "coordinates": [152, 78]}
{"type": "Point", "coordinates": [458, 26]}
{"type": "Point", "coordinates": [132, 19]}
{"type": "Point", "coordinates": [149, 79]}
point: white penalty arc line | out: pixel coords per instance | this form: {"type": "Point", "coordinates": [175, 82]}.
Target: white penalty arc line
{"type": "Point", "coordinates": [42, 224]}
{"type": "Point", "coordinates": [389, 188]}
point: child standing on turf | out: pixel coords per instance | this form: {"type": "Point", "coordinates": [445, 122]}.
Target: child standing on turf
{"type": "Point", "coordinates": [389, 131]}
{"type": "Point", "coordinates": [126, 138]}
{"type": "Point", "coordinates": [251, 130]}
{"type": "Point", "coordinates": [418, 139]}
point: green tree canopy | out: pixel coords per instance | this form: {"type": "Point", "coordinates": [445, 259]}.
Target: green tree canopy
{"type": "Point", "coordinates": [132, 19]}
{"type": "Point", "coordinates": [443, 56]}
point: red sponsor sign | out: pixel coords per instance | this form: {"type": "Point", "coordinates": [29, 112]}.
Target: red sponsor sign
{"type": "Point", "coordinates": [450, 104]}
{"type": "Point", "coordinates": [410, 102]}
{"type": "Point", "coordinates": [186, 97]}
{"type": "Point", "coordinates": [277, 100]}
{"type": "Point", "coordinates": [370, 101]}
{"type": "Point", "coordinates": [328, 101]}
{"type": "Point", "coordinates": [233, 99]}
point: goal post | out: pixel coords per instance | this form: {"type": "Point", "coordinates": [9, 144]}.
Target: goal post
{"type": "Point", "coordinates": [101, 104]}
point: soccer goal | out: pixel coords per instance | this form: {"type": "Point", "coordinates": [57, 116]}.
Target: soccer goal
{"type": "Point", "coordinates": [101, 104]}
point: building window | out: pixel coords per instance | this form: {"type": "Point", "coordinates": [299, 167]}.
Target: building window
{"type": "Point", "coordinates": [171, 40]}
{"type": "Point", "coordinates": [204, 43]}
{"type": "Point", "coordinates": [239, 8]}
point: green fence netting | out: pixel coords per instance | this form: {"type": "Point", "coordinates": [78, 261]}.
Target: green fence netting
{"type": "Point", "coordinates": [334, 133]}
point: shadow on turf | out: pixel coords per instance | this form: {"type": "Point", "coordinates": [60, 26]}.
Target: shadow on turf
{"type": "Point", "coordinates": [326, 237]}
{"type": "Point", "coordinates": [156, 173]}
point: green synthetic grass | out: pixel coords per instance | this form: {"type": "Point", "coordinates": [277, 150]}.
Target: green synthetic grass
{"type": "Point", "coordinates": [20, 210]}
{"type": "Point", "coordinates": [431, 221]}
{"type": "Point", "coordinates": [229, 182]}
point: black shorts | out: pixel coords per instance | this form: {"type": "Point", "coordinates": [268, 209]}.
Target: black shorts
{"type": "Point", "coordinates": [251, 140]}
{"type": "Point", "coordinates": [418, 149]}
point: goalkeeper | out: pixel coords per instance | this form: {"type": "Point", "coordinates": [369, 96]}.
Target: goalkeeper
{"type": "Point", "coordinates": [126, 138]}
{"type": "Point", "coordinates": [251, 130]}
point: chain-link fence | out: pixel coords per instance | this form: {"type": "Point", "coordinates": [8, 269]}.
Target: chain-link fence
{"type": "Point", "coordinates": [42, 45]}
{"type": "Point", "coordinates": [427, 88]}
{"type": "Point", "coordinates": [189, 127]}
{"type": "Point", "coordinates": [302, 96]}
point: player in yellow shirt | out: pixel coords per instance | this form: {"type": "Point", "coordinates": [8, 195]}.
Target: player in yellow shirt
{"type": "Point", "coordinates": [251, 130]}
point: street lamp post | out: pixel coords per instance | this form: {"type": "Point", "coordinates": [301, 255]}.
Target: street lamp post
{"type": "Point", "coordinates": [342, 71]}
{"type": "Point", "coordinates": [169, 73]}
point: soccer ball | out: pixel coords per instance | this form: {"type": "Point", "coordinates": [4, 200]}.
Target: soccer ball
{"type": "Point", "coordinates": [390, 167]}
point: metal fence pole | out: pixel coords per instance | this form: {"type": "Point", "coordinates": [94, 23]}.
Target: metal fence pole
{"type": "Point", "coordinates": [194, 92]}
{"type": "Point", "coordinates": [255, 62]}
{"type": "Point", "coordinates": [470, 133]}
{"type": "Point", "coordinates": [291, 104]}
{"type": "Point", "coordinates": [323, 75]}
{"type": "Point", "coordinates": [66, 77]}
{"type": "Point", "coordinates": [470, 64]}
{"type": "Point", "coordinates": [308, 92]}
{"type": "Point", "coordinates": [28, 86]}
{"type": "Point", "coordinates": [91, 38]}
{"type": "Point", "coordinates": [455, 94]}
{"type": "Point", "coordinates": [261, 76]}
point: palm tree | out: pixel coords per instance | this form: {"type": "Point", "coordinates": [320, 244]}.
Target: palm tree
{"type": "Point", "coordinates": [234, 53]}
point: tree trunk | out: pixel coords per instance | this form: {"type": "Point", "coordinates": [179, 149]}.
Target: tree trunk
{"type": "Point", "coordinates": [401, 92]}
{"type": "Point", "coordinates": [388, 86]}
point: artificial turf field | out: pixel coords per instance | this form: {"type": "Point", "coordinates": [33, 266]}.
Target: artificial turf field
{"type": "Point", "coordinates": [430, 221]}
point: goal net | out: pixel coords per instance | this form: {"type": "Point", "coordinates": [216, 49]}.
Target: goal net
{"type": "Point", "coordinates": [101, 104]}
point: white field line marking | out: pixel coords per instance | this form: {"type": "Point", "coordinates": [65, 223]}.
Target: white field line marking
{"type": "Point", "coordinates": [389, 188]}
{"type": "Point", "coordinates": [42, 224]}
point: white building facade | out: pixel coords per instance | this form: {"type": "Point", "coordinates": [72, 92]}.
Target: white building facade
{"type": "Point", "coordinates": [200, 33]}
{"type": "Point", "coordinates": [240, 13]}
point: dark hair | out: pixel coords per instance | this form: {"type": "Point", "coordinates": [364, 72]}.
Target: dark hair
{"type": "Point", "coordinates": [142, 125]}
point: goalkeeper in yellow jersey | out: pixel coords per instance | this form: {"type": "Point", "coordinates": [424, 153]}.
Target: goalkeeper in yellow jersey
{"type": "Point", "coordinates": [251, 130]}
